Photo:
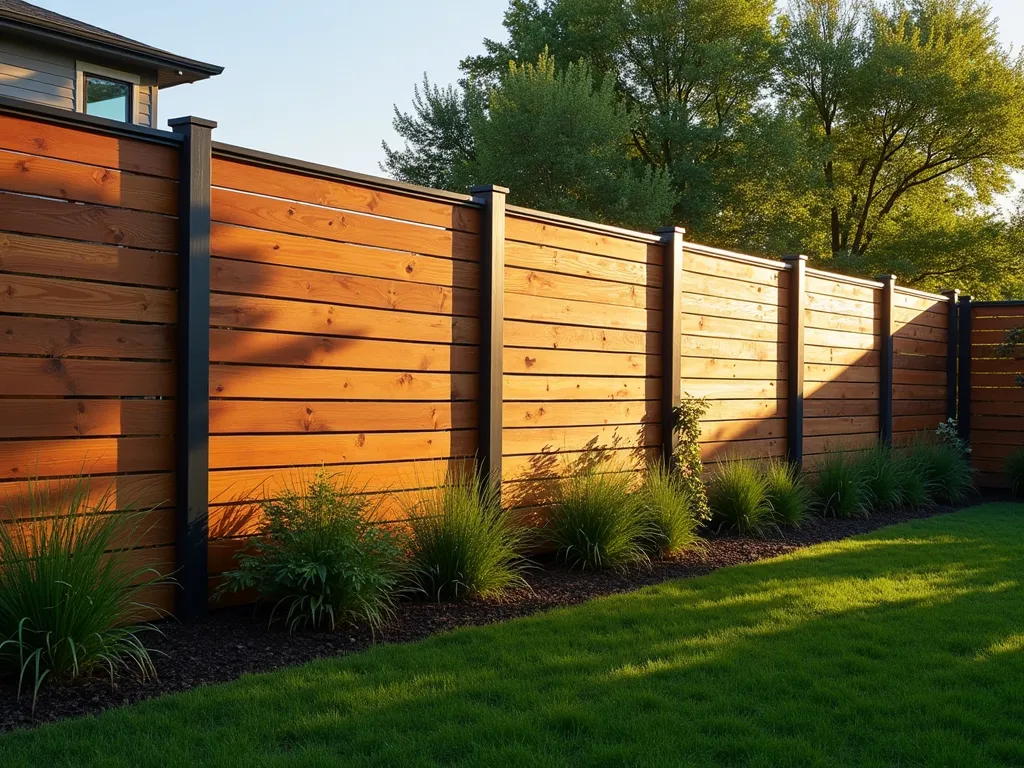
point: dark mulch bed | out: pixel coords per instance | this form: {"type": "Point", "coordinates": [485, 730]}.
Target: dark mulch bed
{"type": "Point", "coordinates": [233, 641]}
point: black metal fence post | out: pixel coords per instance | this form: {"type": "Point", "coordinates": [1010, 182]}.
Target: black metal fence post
{"type": "Point", "coordinates": [888, 358]}
{"type": "Point", "coordinates": [193, 360]}
{"type": "Point", "coordinates": [671, 337]}
{"type": "Point", "coordinates": [963, 410]}
{"type": "Point", "coordinates": [952, 350]}
{"type": "Point", "coordinates": [492, 329]}
{"type": "Point", "coordinates": [795, 358]}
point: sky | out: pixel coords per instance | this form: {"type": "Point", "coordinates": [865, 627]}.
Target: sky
{"type": "Point", "coordinates": [317, 80]}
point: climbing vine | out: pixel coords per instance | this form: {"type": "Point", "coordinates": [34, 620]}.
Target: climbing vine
{"type": "Point", "coordinates": [686, 425]}
{"type": "Point", "coordinates": [1014, 339]}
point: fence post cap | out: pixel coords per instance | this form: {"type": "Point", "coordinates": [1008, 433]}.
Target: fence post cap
{"type": "Point", "coordinates": [794, 257]}
{"type": "Point", "coordinates": [200, 122]}
{"type": "Point", "coordinates": [953, 295]}
{"type": "Point", "coordinates": [670, 231]}
{"type": "Point", "coordinates": [479, 189]}
{"type": "Point", "coordinates": [886, 278]}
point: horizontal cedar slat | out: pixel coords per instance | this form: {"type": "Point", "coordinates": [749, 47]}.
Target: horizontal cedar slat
{"type": "Point", "coordinates": [721, 368]}
{"type": "Point", "coordinates": [921, 332]}
{"type": "Point", "coordinates": [56, 337]}
{"type": "Point", "coordinates": [552, 388]}
{"type": "Point", "coordinates": [910, 376]}
{"type": "Point", "coordinates": [338, 194]}
{"type": "Point", "coordinates": [701, 346]}
{"type": "Point", "coordinates": [547, 361]}
{"type": "Point", "coordinates": [719, 410]}
{"type": "Point", "coordinates": [839, 305]}
{"type": "Point", "coordinates": [280, 349]}
{"type": "Point", "coordinates": [732, 309]}
{"type": "Point", "coordinates": [125, 492]}
{"type": "Point", "coordinates": [86, 184]}
{"type": "Point", "coordinates": [303, 219]}
{"type": "Point", "coordinates": [841, 442]}
{"type": "Point", "coordinates": [918, 303]}
{"type": "Point", "coordinates": [523, 229]}
{"type": "Point", "coordinates": [908, 346]}
{"type": "Point", "coordinates": [932, 407]}
{"type": "Point", "coordinates": [547, 465]}
{"type": "Point", "coordinates": [563, 414]}
{"type": "Point", "coordinates": [823, 337]}
{"type": "Point", "coordinates": [840, 425]}
{"type": "Point", "coordinates": [740, 272]}
{"type": "Point", "coordinates": [915, 317]}
{"type": "Point", "coordinates": [82, 146]}
{"type": "Point", "coordinates": [85, 418]}
{"type": "Point", "coordinates": [827, 390]}
{"type": "Point", "coordinates": [90, 223]}
{"type": "Point", "coordinates": [51, 296]}
{"type": "Point", "coordinates": [843, 356]}
{"type": "Point", "coordinates": [570, 337]}
{"type": "Point", "coordinates": [731, 450]}
{"type": "Point", "coordinates": [851, 324]}
{"type": "Point", "coordinates": [229, 276]}
{"type": "Point", "coordinates": [919, 362]}
{"type": "Point", "coordinates": [572, 312]}
{"type": "Point", "coordinates": [548, 440]}
{"type": "Point", "coordinates": [742, 429]}
{"type": "Point", "coordinates": [323, 416]}
{"type": "Point", "coordinates": [997, 365]}
{"type": "Point", "coordinates": [828, 374]}
{"type": "Point", "coordinates": [733, 390]}
{"type": "Point", "coordinates": [565, 262]}
{"type": "Point", "coordinates": [923, 423]}
{"type": "Point", "coordinates": [996, 322]}
{"type": "Point", "coordinates": [106, 263]}
{"type": "Point", "coordinates": [828, 287]}
{"type": "Point", "coordinates": [746, 330]}
{"type": "Point", "coordinates": [559, 286]}
{"type": "Point", "coordinates": [838, 408]}
{"type": "Point", "coordinates": [27, 459]}
{"type": "Point", "coordinates": [244, 381]}
{"type": "Point", "coordinates": [256, 313]}
{"type": "Point", "coordinates": [54, 377]}
{"type": "Point", "coordinates": [259, 246]}
{"type": "Point", "coordinates": [700, 284]}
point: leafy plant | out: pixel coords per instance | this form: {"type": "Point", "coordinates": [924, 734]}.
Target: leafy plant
{"type": "Point", "coordinates": [880, 477]}
{"type": "Point", "coordinates": [462, 542]}
{"type": "Point", "coordinates": [948, 433]}
{"type": "Point", "coordinates": [686, 426]}
{"type": "Point", "coordinates": [318, 556]}
{"type": "Point", "coordinates": [598, 521]}
{"type": "Point", "coordinates": [669, 512]}
{"type": "Point", "coordinates": [787, 492]}
{"type": "Point", "coordinates": [947, 470]}
{"type": "Point", "coordinates": [69, 603]}
{"type": "Point", "coordinates": [738, 495]}
{"type": "Point", "coordinates": [839, 490]}
{"type": "Point", "coordinates": [1015, 472]}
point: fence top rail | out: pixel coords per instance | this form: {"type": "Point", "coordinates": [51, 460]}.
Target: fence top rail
{"type": "Point", "coordinates": [330, 173]}
{"type": "Point", "coordinates": [997, 304]}
{"type": "Point", "coordinates": [52, 115]}
{"type": "Point", "coordinates": [581, 224]}
{"type": "Point", "coordinates": [844, 278]}
{"type": "Point", "coordinates": [921, 294]}
{"type": "Point", "coordinates": [743, 258]}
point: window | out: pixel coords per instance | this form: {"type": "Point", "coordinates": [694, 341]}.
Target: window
{"type": "Point", "coordinates": [109, 98]}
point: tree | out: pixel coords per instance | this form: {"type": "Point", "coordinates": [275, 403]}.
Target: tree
{"type": "Point", "coordinates": [909, 105]}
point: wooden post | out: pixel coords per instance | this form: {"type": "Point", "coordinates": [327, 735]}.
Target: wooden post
{"type": "Point", "coordinates": [888, 358]}
{"type": "Point", "coordinates": [193, 365]}
{"type": "Point", "coordinates": [492, 329]}
{"type": "Point", "coordinates": [952, 350]}
{"type": "Point", "coordinates": [795, 360]}
{"type": "Point", "coordinates": [963, 409]}
{"type": "Point", "coordinates": [671, 337]}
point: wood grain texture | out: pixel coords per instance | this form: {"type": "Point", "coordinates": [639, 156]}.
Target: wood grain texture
{"type": "Point", "coordinates": [56, 377]}
{"type": "Point", "coordinates": [22, 418]}
{"type": "Point", "coordinates": [326, 416]}
{"type": "Point", "coordinates": [544, 258]}
{"type": "Point", "coordinates": [60, 337]}
{"type": "Point", "coordinates": [104, 263]}
{"type": "Point", "coordinates": [526, 230]}
{"type": "Point", "coordinates": [21, 294]}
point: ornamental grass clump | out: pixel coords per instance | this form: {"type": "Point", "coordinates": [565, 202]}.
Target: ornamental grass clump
{"type": "Point", "coordinates": [839, 489]}
{"type": "Point", "coordinates": [462, 543]}
{"type": "Point", "coordinates": [669, 512]}
{"type": "Point", "coordinates": [1015, 472]}
{"type": "Point", "coordinates": [947, 469]}
{"type": "Point", "coordinates": [318, 557]}
{"type": "Point", "coordinates": [738, 497]}
{"type": "Point", "coordinates": [598, 521]}
{"type": "Point", "coordinates": [70, 603]}
{"type": "Point", "coordinates": [787, 492]}
{"type": "Point", "coordinates": [880, 478]}
{"type": "Point", "coordinates": [915, 485]}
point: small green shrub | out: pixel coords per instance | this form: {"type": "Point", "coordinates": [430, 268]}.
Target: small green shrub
{"type": "Point", "coordinates": [598, 521]}
{"type": "Point", "coordinates": [462, 542]}
{"type": "Point", "coordinates": [948, 471]}
{"type": "Point", "coordinates": [669, 512]}
{"type": "Point", "coordinates": [839, 488]}
{"type": "Point", "coordinates": [68, 604]}
{"type": "Point", "coordinates": [788, 493]}
{"type": "Point", "coordinates": [738, 496]}
{"type": "Point", "coordinates": [319, 558]}
{"type": "Point", "coordinates": [1015, 472]}
{"type": "Point", "coordinates": [880, 478]}
{"type": "Point", "coordinates": [686, 426]}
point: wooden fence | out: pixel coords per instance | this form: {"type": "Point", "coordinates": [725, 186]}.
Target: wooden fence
{"type": "Point", "coordinates": [392, 332]}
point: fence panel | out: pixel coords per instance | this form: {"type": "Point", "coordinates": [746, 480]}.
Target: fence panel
{"type": "Point", "coordinates": [921, 323]}
{"type": "Point", "coordinates": [88, 243]}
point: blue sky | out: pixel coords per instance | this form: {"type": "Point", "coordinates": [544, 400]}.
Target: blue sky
{"type": "Point", "coordinates": [314, 79]}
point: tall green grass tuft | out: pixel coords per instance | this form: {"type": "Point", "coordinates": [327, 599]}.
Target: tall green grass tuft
{"type": "Point", "coordinates": [839, 489]}
{"type": "Point", "coordinates": [787, 492]}
{"type": "Point", "coordinates": [880, 477]}
{"type": "Point", "coordinates": [319, 557]}
{"type": "Point", "coordinates": [915, 484]}
{"type": "Point", "coordinates": [69, 604]}
{"type": "Point", "coordinates": [948, 471]}
{"type": "Point", "coordinates": [738, 496]}
{"type": "Point", "coordinates": [598, 521]}
{"type": "Point", "coordinates": [669, 511]}
{"type": "Point", "coordinates": [1015, 472]}
{"type": "Point", "coordinates": [462, 542]}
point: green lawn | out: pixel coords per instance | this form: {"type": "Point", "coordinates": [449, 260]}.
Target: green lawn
{"type": "Point", "coordinates": [904, 647]}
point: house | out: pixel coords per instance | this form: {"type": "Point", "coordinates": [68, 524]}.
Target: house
{"type": "Point", "coordinates": [54, 60]}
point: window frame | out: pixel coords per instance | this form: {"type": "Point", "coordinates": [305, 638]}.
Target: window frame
{"type": "Point", "coordinates": [85, 69]}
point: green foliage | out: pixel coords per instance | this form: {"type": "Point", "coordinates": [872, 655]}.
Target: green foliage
{"type": "Point", "coordinates": [914, 478]}
{"type": "Point", "coordinates": [69, 606]}
{"type": "Point", "coordinates": [462, 542]}
{"type": "Point", "coordinates": [669, 512]}
{"type": "Point", "coordinates": [319, 558]}
{"type": "Point", "coordinates": [1015, 472]}
{"type": "Point", "coordinates": [880, 477]}
{"type": "Point", "coordinates": [787, 492]}
{"type": "Point", "coordinates": [1014, 339]}
{"type": "Point", "coordinates": [686, 427]}
{"type": "Point", "coordinates": [948, 433]}
{"type": "Point", "coordinates": [839, 489]}
{"type": "Point", "coordinates": [947, 470]}
{"type": "Point", "coordinates": [738, 495]}
{"type": "Point", "coordinates": [598, 521]}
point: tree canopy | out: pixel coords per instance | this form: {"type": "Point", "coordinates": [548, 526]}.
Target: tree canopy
{"type": "Point", "coordinates": [874, 136]}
